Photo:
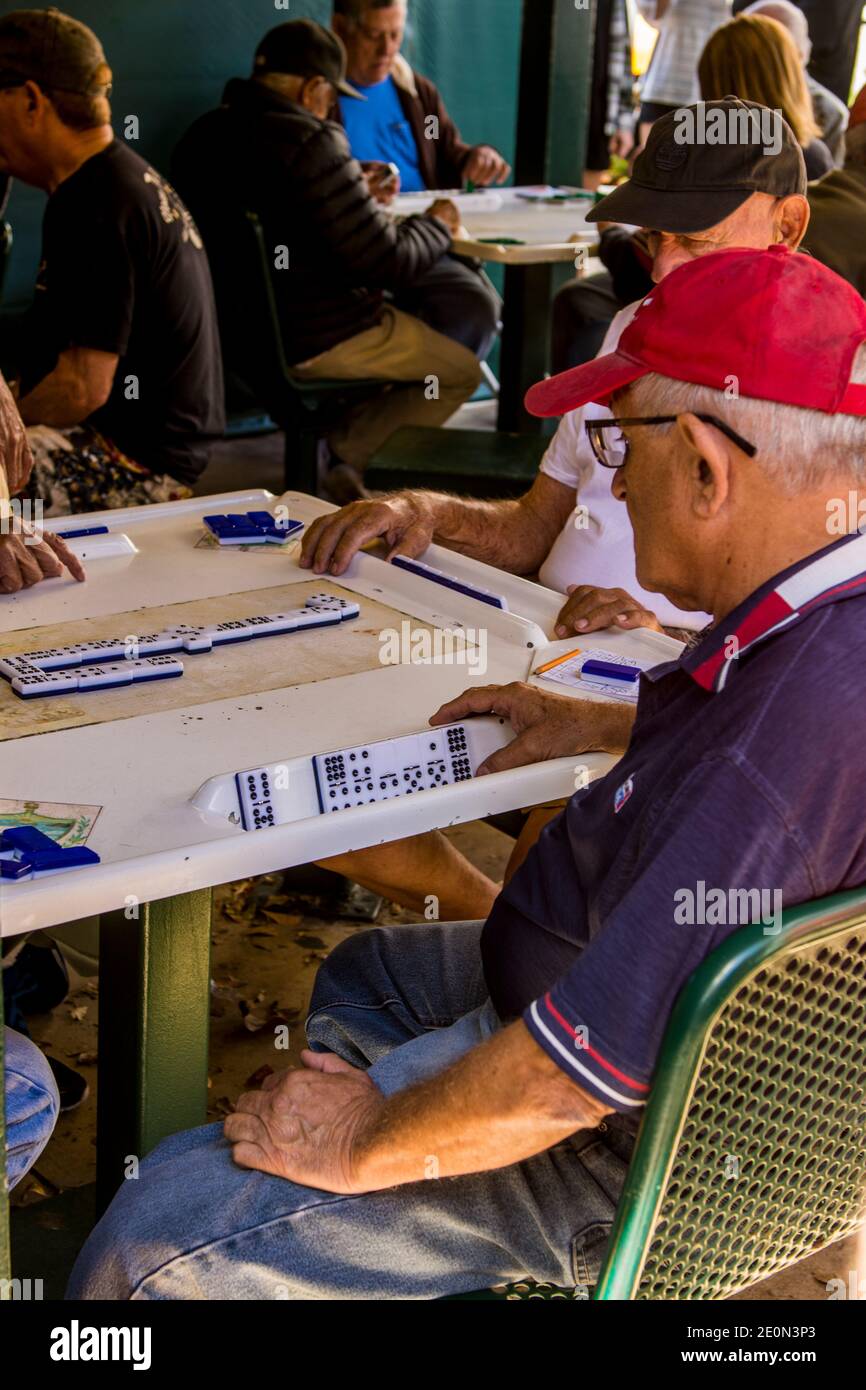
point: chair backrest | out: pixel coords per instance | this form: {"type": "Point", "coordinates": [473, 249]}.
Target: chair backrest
{"type": "Point", "coordinates": [752, 1149]}
{"type": "Point", "coordinates": [268, 319]}
{"type": "Point", "coordinates": [5, 253]}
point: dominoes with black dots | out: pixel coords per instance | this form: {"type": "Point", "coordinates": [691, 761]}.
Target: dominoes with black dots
{"type": "Point", "coordinates": [113, 662]}
{"type": "Point", "coordinates": [395, 767]}
{"type": "Point", "coordinates": [349, 778]}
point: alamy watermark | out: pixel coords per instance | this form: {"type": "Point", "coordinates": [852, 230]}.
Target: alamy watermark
{"type": "Point", "coordinates": [22, 517]}
{"type": "Point", "coordinates": [734, 125]}
{"type": "Point", "coordinates": [729, 907]}
{"type": "Point", "coordinates": [443, 646]}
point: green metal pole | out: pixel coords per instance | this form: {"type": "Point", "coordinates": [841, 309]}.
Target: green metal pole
{"type": "Point", "coordinates": [153, 1030]}
{"type": "Point", "coordinates": [570, 88]}
{"type": "Point", "coordinates": [552, 122]}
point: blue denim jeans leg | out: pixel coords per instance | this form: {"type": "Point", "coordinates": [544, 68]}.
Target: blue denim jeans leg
{"type": "Point", "coordinates": [32, 1104]}
{"type": "Point", "coordinates": [405, 1001]}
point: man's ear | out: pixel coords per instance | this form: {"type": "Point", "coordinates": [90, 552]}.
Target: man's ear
{"type": "Point", "coordinates": [34, 96]}
{"type": "Point", "coordinates": [791, 219]}
{"type": "Point", "coordinates": [312, 95]}
{"type": "Point", "coordinates": [709, 466]}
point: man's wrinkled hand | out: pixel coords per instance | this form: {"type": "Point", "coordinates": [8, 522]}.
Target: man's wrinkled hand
{"type": "Point", "coordinates": [590, 609]}
{"type": "Point", "coordinates": [485, 165]}
{"type": "Point", "coordinates": [447, 212]}
{"type": "Point", "coordinates": [547, 725]}
{"type": "Point", "coordinates": [382, 181]}
{"type": "Point", "coordinates": [404, 522]}
{"type": "Point", "coordinates": [22, 565]}
{"type": "Point", "coordinates": [307, 1125]}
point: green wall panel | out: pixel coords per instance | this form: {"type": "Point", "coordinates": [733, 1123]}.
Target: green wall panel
{"type": "Point", "coordinates": [171, 59]}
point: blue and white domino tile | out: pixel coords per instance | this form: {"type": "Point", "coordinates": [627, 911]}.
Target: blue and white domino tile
{"type": "Point", "coordinates": [105, 665]}
{"type": "Point", "coordinates": [26, 852]}
{"type": "Point", "coordinates": [447, 581]}
{"type": "Point", "coordinates": [251, 528]}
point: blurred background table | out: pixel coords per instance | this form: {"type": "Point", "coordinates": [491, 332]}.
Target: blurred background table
{"type": "Point", "coordinates": [533, 241]}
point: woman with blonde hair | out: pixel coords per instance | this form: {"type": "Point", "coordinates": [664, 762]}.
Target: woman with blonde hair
{"type": "Point", "coordinates": [756, 59]}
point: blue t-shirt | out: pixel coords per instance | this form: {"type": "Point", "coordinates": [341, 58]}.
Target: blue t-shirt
{"type": "Point", "coordinates": [377, 129]}
{"type": "Point", "coordinates": [741, 793]}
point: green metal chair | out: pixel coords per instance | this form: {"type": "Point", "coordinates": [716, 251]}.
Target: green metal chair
{"type": "Point", "coordinates": [256, 364]}
{"type": "Point", "coordinates": [752, 1150]}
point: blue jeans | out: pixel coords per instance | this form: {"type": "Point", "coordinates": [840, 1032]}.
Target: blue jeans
{"type": "Point", "coordinates": [32, 1104]}
{"type": "Point", "coordinates": [405, 1002]}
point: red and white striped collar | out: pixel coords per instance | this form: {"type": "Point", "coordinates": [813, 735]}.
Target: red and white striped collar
{"type": "Point", "coordinates": [838, 572]}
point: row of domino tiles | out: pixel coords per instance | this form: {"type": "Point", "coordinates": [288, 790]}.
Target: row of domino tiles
{"type": "Point", "coordinates": [125, 661]}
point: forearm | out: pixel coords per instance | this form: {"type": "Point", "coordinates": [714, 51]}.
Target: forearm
{"type": "Point", "coordinates": [59, 399]}
{"type": "Point", "coordinates": [611, 727]}
{"type": "Point", "coordinates": [512, 534]}
{"type": "Point", "coordinates": [501, 1103]}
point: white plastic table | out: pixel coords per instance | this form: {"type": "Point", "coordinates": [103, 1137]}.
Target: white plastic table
{"type": "Point", "coordinates": [505, 228]}
{"type": "Point", "coordinates": [160, 856]}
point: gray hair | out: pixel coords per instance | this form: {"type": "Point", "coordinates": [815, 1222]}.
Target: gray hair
{"type": "Point", "coordinates": [353, 9]}
{"type": "Point", "coordinates": [791, 17]}
{"type": "Point", "coordinates": [798, 449]}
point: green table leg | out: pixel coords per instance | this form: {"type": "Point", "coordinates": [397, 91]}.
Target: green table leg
{"type": "Point", "coordinates": [153, 1031]}
{"type": "Point", "coordinates": [5, 1254]}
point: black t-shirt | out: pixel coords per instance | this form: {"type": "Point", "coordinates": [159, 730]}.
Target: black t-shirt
{"type": "Point", "coordinates": [124, 271]}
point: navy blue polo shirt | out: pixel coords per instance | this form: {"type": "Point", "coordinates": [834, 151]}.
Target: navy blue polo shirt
{"type": "Point", "coordinates": [743, 790]}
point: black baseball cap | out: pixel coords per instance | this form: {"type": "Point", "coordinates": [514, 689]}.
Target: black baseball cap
{"type": "Point", "coordinates": [683, 183]}
{"type": "Point", "coordinates": [53, 49]}
{"type": "Point", "coordinates": [302, 48]}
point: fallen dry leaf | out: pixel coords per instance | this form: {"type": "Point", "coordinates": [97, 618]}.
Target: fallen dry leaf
{"type": "Point", "coordinates": [313, 943]}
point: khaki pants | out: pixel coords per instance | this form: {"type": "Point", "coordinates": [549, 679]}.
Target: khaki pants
{"type": "Point", "coordinates": [439, 373]}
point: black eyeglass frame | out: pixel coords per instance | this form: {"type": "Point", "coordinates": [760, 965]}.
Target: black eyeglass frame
{"type": "Point", "coordinates": [595, 431]}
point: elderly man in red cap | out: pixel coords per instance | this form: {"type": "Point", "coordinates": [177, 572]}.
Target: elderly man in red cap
{"type": "Point", "coordinates": [490, 1053]}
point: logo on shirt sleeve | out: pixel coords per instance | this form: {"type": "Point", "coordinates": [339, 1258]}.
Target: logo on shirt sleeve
{"type": "Point", "coordinates": [622, 795]}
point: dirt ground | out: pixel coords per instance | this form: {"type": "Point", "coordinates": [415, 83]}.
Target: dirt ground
{"type": "Point", "coordinates": [266, 950]}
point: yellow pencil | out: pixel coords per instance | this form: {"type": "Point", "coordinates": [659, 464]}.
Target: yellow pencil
{"type": "Point", "coordinates": [549, 665]}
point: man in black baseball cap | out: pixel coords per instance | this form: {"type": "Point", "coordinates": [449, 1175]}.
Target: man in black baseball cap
{"type": "Point", "coordinates": [702, 162]}
{"type": "Point", "coordinates": [270, 150]}
{"type": "Point", "coordinates": [305, 49]}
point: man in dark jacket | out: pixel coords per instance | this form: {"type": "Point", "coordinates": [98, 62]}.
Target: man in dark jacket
{"type": "Point", "coordinates": [333, 250]}
{"type": "Point", "coordinates": [403, 122]}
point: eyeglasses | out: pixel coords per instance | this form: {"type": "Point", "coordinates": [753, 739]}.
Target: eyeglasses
{"type": "Point", "coordinates": [610, 445]}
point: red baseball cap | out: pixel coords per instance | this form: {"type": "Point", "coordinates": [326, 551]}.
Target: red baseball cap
{"type": "Point", "coordinates": [780, 323]}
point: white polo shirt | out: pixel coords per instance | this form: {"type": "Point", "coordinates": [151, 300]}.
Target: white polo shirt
{"type": "Point", "coordinates": [597, 546]}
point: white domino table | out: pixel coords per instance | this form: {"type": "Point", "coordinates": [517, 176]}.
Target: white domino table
{"type": "Point", "coordinates": [163, 839]}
